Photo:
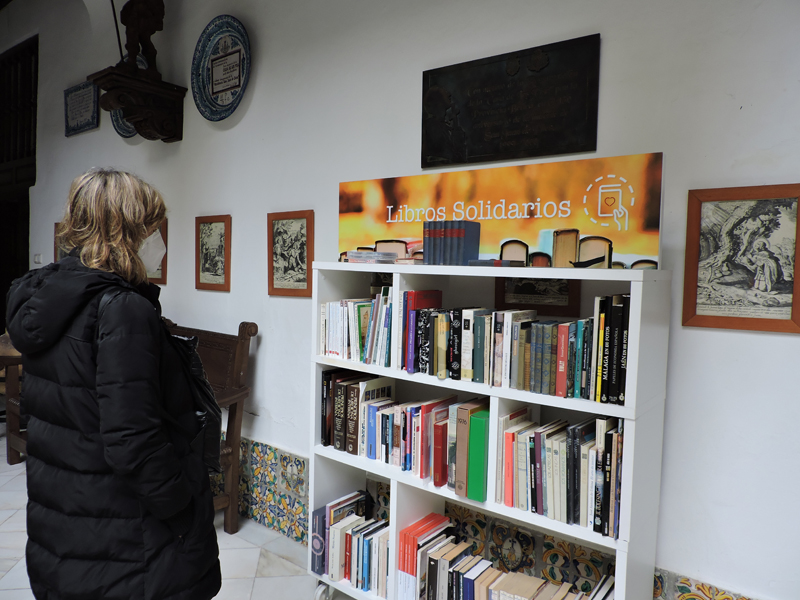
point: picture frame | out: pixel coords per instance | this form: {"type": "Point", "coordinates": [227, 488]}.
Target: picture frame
{"type": "Point", "coordinates": [549, 297]}
{"type": "Point", "coordinates": [160, 275]}
{"type": "Point", "coordinates": [290, 245]}
{"type": "Point", "coordinates": [213, 253]}
{"type": "Point", "coordinates": [81, 108]}
{"type": "Point", "coordinates": [741, 248]}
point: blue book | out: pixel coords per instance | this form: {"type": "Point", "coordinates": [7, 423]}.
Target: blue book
{"type": "Point", "coordinates": [468, 581]}
{"type": "Point", "coordinates": [448, 243]}
{"type": "Point", "coordinates": [537, 337]}
{"type": "Point", "coordinates": [372, 413]}
{"type": "Point", "coordinates": [411, 348]}
{"type": "Point", "coordinates": [388, 325]}
{"type": "Point", "coordinates": [427, 247]}
{"type": "Point", "coordinates": [365, 556]}
{"type": "Point", "coordinates": [437, 231]}
{"type": "Point", "coordinates": [578, 359]}
{"type": "Point", "coordinates": [548, 339]}
{"type": "Point", "coordinates": [469, 243]}
{"type": "Point", "coordinates": [479, 333]}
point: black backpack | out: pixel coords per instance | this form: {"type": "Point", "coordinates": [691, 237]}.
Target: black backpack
{"type": "Point", "coordinates": [207, 411]}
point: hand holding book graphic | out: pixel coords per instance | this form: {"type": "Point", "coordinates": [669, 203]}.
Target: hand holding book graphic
{"type": "Point", "coordinates": [620, 213]}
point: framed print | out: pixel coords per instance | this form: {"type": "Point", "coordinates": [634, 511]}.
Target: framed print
{"type": "Point", "coordinates": [291, 252]}
{"type": "Point", "coordinates": [549, 297]}
{"type": "Point", "coordinates": [160, 274]}
{"type": "Point", "coordinates": [213, 253]}
{"type": "Point", "coordinates": [741, 249]}
{"type": "Point", "coordinates": [81, 112]}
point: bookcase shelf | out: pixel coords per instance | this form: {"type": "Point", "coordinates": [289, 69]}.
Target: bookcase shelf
{"type": "Point", "coordinates": [334, 473]}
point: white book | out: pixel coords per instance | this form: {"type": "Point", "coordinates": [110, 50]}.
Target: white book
{"type": "Point", "coordinates": [322, 318]}
{"type": "Point", "coordinates": [552, 465]}
{"type": "Point", "coordinates": [336, 553]}
{"type": "Point", "coordinates": [468, 340]}
{"type": "Point", "coordinates": [592, 488]}
{"type": "Point", "coordinates": [586, 481]}
{"type": "Point", "coordinates": [562, 448]}
{"type": "Point", "coordinates": [521, 481]}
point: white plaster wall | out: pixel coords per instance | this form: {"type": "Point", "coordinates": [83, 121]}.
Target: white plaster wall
{"type": "Point", "coordinates": [334, 95]}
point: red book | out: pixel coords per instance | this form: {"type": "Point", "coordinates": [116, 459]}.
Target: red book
{"type": "Point", "coordinates": [440, 453]}
{"type": "Point", "coordinates": [425, 423]}
{"type": "Point", "coordinates": [563, 359]}
{"type": "Point", "coordinates": [348, 540]}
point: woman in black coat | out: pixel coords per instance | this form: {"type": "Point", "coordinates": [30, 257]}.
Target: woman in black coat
{"type": "Point", "coordinates": [119, 506]}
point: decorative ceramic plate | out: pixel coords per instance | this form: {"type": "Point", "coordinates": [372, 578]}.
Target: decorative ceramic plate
{"type": "Point", "coordinates": [220, 68]}
{"type": "Point", "coordinates": [121, 126]}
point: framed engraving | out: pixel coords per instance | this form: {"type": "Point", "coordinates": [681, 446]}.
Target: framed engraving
{"type": "Point", "coordinates": [741, 251]}
{"type": "Point", "coordinates": [81, 111]}
{"type": "Point", "coordinates": [213, 253]}
{"type": "Point", "coordinates": [549, 297]}
{"type": "Point", "coordinates": [160, 274]}
{"type": "Point", "coordinates": [291, 252]}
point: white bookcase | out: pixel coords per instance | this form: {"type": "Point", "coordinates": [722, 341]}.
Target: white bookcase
{"type": "Point", "coordinates": [334, 473]}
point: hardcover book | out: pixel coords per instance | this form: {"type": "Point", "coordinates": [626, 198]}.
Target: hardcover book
{"type": "Point", "coordinates": [478, 462]}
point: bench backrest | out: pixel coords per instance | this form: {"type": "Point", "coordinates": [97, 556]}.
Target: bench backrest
{"type": "Point", "coordinates": [224, 356]}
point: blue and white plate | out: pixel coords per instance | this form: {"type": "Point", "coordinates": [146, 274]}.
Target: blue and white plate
{"type": "Point", "coordinates": [121, 126]}
{"type": "Point", "coordinates": [220, 68]}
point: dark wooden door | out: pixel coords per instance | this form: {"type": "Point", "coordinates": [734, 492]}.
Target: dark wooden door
{"type": "Point", "coordinates": [19, 82]}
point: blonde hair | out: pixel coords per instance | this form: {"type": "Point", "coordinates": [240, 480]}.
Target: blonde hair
{"type": "Point", "coordinates": [109, 214]}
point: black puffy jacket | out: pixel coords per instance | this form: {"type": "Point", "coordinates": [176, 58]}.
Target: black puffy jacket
{"type": "Point", "coordinates": [118, 504]}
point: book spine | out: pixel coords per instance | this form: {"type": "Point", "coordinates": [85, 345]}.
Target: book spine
{"type": "Point", "coordinates": [508, 469]}
{"type": "Point", "coordinates": [462, 449]}
{"type": "Point", "coordinates": [460, 232]}
{"type": "Point", "coordinates": [598, 495]}
{"type": "Point", "coordinates": [623, 355]}
{"type": "Point", "coordinates": [572, 343]}
{"type": "Point", "coordinates": [478, 462]}
{"type": "Point", "coordinates": [467, 344]}
{"type": "Point", "coordinates": [563, 482]}
{"type": "Point", "coordinates": [604, 371]}
{"type": "Point", "coordinates": [514, 351]}
{"type": "Point", "coordinates": [591, 486]}
{"type": "Point", "coordinates": [576, 390]}
{"type": "Point", "coordinates": [478, 335]}
{"type": "Point", "coordinates": [318, 541]}
{"type": "Point", "coordinates": [532, 474]}
{"type": "Point", "coordinates": [525, 369]}
{"type": "Point", "coordinates": [522, 472]}
{"type": "Point", "coordinates": [433, 328]}
{"type": "Point", "coordinates": [562, 353]}
{"type": "Point", "coordinates": [553, 360]}
{"type": "Point", "coordinates": [555, 513]}
{"type": "Point", "coordinates": [371, 427]}
{"type": "Point", "coordinates": [423, 341]}
{"type": "Point", "coordinates": [508, 327]}
{"type": "Point", "coordinates": [547, 334]}
{"type": "Point", "coordinates": [440, 454]}
{"type": "Point", "coordinates": [442, 331]}
{"type": "Point", "coordinates": [426, 243]}
{"type": "Point", "coordinates": [607, 453]}
{"type": "Point", "coordinates": [387, 358]}
{"type": "Point", "coordinates": [568, 475]}
{"type": "Point", "coordinates": [536, 376]}
{"type": "Point", "coordinates": [538, 453]}
{"type": "Point", "coordinates": [402, 342]}
{"type": "Point", "coordinates": [323, 410]}
{"type": "Point", "coordinates": [454, 344]}
{"type": "Point", "coordinates": [339, 407]}
{"type": "Point", "coordinates": [497, 374]}
{"type": "Point", "coordinates": [397, 435]}
{"type": "Point", "coordinates": [351, 420]}
{"type": "Point", "coordinates": [614, 353]}
{"type": "Point", "coordinates": [411, 336]}
{"type": "Point", "coordinates": [549, 506]}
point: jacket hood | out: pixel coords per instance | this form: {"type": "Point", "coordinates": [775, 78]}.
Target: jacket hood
{"type": "Point", "coordinates": [42, 303]}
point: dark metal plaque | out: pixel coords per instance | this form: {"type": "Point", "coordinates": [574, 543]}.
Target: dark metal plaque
{"type": "Point", "coordinates": [536, 102]}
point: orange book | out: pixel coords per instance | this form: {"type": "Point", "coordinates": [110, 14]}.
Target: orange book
{"type": "Point", "coordinates": [509, 464]}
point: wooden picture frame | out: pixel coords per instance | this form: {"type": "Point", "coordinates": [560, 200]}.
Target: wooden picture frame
{"type": "Point", "coordinates": [290, 245]}
{"type": "Point", "coordinates": [549, 297]}
{"type": "Point", "coordinates": [741, 248]}
{"type": "Point", "coordinates": [160, 275]}
{"type": "Point", "coordinates": [212, 253]}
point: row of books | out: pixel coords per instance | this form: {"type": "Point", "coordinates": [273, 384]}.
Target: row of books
{"type": "Point", "coordinates": [348, 545]}
{"type": "Point", "coordinates": [442, 439]}
{"type": "Point", "coordinates": [569, 473]}
{"type": "Point", "coordinates": [450, 242]}
{"type": "Point", "coordinates": [586, 358]}
{"type": "Point", "coordinates": [434, 565]}
{"type": "Point", "coordinates": [358, 329]}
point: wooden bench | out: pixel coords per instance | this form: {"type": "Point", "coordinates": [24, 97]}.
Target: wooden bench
{"type": "Point", "coordinates": [225, 359]}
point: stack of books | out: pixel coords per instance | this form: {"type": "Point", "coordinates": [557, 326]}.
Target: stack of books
{"type": "Point", "coordinates": [441, 439]}
{"type": "Point", "coordinates": [569, 473]}
{"type": "Point", "coordinates": [450, 242]}
{"type": "Point", "coordinates": [348, 546]}
{"type": "Point", "coordinates": [585, 358]}
{"type": "Point", "coordinates": [358, 329]}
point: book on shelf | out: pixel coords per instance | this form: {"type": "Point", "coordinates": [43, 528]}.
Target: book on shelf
{"type": "Point", "coordinates": [454, 344]}
{"type": "Point", "coordinates": [340, 407]}
{"type": "Point", "coordinates": [509, 465]}
{"type": "Point", "coordinates": [468, 339]}
{"type": "Point", "coordinates": [515, 250]}
{"type": "Point", "coordinates": [402, 247]}
{"type": "Point", "coordinates": [595, 252]}
{"type": "Point", "coordinates": [522, 483]}
{"type": "Point", "coordinates": [539, 259]}
{"type": "Point", "coordinates": [371, 256]}
{"type": "Point", "coordinates": [565, 247]}
{"type": "Point", "coordinates": [337, 540]}
{"type": "Point", "coordinates": [494, 262]}
{"type": "Point", "coordinates": [478, 456]}
{"type": "Point", "coordinates": [464, 413]}
{"type": "Point", "coordinates": [504, 423]}
{"type": "Point", "coordinates": [603, 588]}
{"type": "Point", "coordinates": [602, 427]}
{"type": "Point", "coordinates": [415, 300]}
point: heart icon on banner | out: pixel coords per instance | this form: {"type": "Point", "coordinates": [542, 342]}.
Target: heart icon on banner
{"type": "Point", "coordinates": [609, 200]}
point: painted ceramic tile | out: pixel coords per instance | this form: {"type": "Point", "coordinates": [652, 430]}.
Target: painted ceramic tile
{"type": "Point", "coordinates": [382, 501]}
{"type": "Point", "coordinates": [264, 459]}
{"type": "Point", "coordinates": [469, 523]}
{"type": "Point", "coordinates": [562, 561]}
{"type": "Point", "coordinates": [245, 476]}
{"type": "Point", "coordinates": [290, 517]}
{"type": "Point", "coordinates": [217, 483]}
{"type": "Point", "coordinates": [691, 589]}
{"type": "Point", "coordinates": [293, 474]}
{"type": "Point", "coordinates": [511, 548]}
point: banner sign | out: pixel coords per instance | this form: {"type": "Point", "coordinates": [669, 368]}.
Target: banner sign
{"type": "Point", "coordinates": [618, 198]}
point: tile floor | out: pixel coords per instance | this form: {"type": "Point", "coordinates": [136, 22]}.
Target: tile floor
{"type": "Point", "coordinates": [256, 562]}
